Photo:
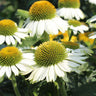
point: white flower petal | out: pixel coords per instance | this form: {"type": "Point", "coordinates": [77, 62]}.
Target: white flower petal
{"type": "Point", "coordinates": [18, 39]}
{"type": "Point", "coordinates": [34, 28]}
{"type": "Point", "coordinates": [2, 39]}
{"type": "Point", "coordinates": [64, 67]}
{"type": "Point", "coordinates": [50, 27]}
{"type": "Point", "coordinates": [27, 62]}
{"type": "Point", "coordinates": [38, 73]}
{"type": "Point", "coordinates": [69, 13]}
{"type": "Point", "coordinates": [12, 40]}
{"type": "Point", "coordinates": [28, 55]}
{"type": "Point", "coordinates": [21, 67]}
{"type": "Point", "coordinates": [15, 70]}
{"type": "Point", "coordinates": [21, 35]}
{"type": "Point", "coordinates": [8, 71]}
{"type": "Point", "coordinates": [30, 25]}
{"type": "Point", "coordinates": [51, 76]}
{"type": "Point", "coordinates": [2, 71]}
{"type": "Point", "coordinates": [8, 41]}
{"type": "Point", "coordinates": [22, 30]}
{"type": "Point", "coordinates": [59, 72]}
{"type": "Point", "coordinates": [61, 24]}
{"type": "Point", "coordinates": [40, 28]}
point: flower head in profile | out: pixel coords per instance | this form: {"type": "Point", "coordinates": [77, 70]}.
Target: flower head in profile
{"type": "Point", "coordinates": [51, 59]}
{"type": "Point", "coordinates": [10, 33]}
{"type": "Point", "coordinates": [77, 48]}
{"type": "Point", "coordinates": [43, 18]}
{"type": "Point", "coordinates": [92, 1]}
{"type": "Point", "coordinates": [70, 9]}
{"type": "Point", "coordinates": [77, 26]}
{"type": "Point", "coordinates": [13, 60]}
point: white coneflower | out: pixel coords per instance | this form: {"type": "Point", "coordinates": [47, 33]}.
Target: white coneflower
{"type": "Point", "coordinates": [92, 1]}
{"type": "Point", "coordinates": [77, 48]}
{"type": "Point", "coordinates": [77, 26]}
{"type": "Point", "coordinates": [43, 18]}
{"type": "Point", "coordinates": [70, 9]}
{"type": "Point", "coordinates": [13, 60]}
{"type": "Point", "coordinates": [10, 33]}
{"type": "Point", "coordinates": [51, 59]}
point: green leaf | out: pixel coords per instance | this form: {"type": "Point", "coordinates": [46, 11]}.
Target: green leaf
{"type": "Point", "coordinates": [28, 42]}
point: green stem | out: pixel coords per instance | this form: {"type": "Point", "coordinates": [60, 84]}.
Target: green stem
{"type": "Point", "coordinates": [14, 83]}
{"type": "Point", "coordinates": [62, 90]}
{"type": "Point", "coordinates": [70, 34]}
{"type": "Point", "coordinates": [21, 22]}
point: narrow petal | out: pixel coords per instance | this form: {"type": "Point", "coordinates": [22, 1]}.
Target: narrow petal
{"type": "Point", "coordinates": [18, 39]}
{"type": "Point", "coordinates": [21, 35]}
{"type": "Point", "coordinates": [28, 55]}
{"type": "Point", "coordinates": [51, 27]}
{"type": "Point", "coordinates": [15, 70]}
{"type": "Point", "coordinates": [2, 39]}
{"type": "Point", "coordinates": [27, 62]}
{"type": "Point", "coordinates": [59, 72]}
{"type": "Point", "coordinates": [2, 71]}
{"type": "Point", "coordinates": [30, 25]}
{"type": "Point", "coordinates": [21, 67]}
{"type": "Point", "coordinates": [64, 66]}
{"type": "Point", "coordinates": [8, 41]}
{"type": "Point", "coordinates": [8, 71]}
{"type": "Point", "coordinates": [34, 28]}
{"type": "Point", "coordinates": [51, 74]}
{"type": "Point", "coordinates": [40, 28]}
{"type": "Point", "coordinates": [38, 74]}
{"type": "Point", "coordinates": [12, 40]}
{"type": "Point", "coordinates": [22, 30]}
{"type": "Point", "coordinates": [61, 24]}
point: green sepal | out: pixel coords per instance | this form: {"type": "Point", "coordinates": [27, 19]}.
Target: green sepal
{"type": "Point", "coordinates": [22, 13]}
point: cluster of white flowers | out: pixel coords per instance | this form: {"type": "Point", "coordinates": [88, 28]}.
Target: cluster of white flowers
{"type": "Point", "coordinates": [51, 59]}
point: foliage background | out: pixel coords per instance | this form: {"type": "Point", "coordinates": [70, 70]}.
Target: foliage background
{"type": "Point", "coordinates": [79, 85]}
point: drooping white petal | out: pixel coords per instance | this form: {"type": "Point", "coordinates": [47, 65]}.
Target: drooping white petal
{"type": "Point", "coordinates": [51, 74]}
{"type": "Point", "coordinates": [28, 55]}
{"type": "Point", "coordinates": [63, 65]}
{"type": "Point", "coordinates": [44, 73]}
{"type": "Point", "coordinates": [80, 13]}
{"type": "Point", "coordinates": [27, 62]}
{"type": "Point", "coordinates": [40, 28]}
{"type": "Point", "coordinates": [61, 24]}
{"type": "Point", "coordinates": [70, 13]}
{"type": "Point", "coordinates": [30, 25]}
{"type": "Point", "coordinates": [38, 73]}
{"type": "Point", "coordinates": [15, 70]}
{"type": "Point", "coordinates": [34, 28]}
{"type": "Point", "coordinates": [8, 71]}
{"type": "Point", "coordinates": [21, 35]}
{"type": "Point", "coordinates": [18, 39]}
{"type": "Point", "coordinates": [21, 67]}
{"type": "Point", "coordinates": [22, 30]}
{"type": "Point", "coordinates": [71, 64]}
{"type": "Point", "coordinates": [50, 27]}
{"type": "Point", "coordinates": [78, 60]}
{"type": "Point", "coordinates": [2, 39]}
{"type": "Point", "coordinates": [12, 40]}
{"type": "Point", "coordinates": [8, 41]}
{"type": "Point", "coordinates": [2, 71]}
{"type": "Point", "coordinates": [59, 72]}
